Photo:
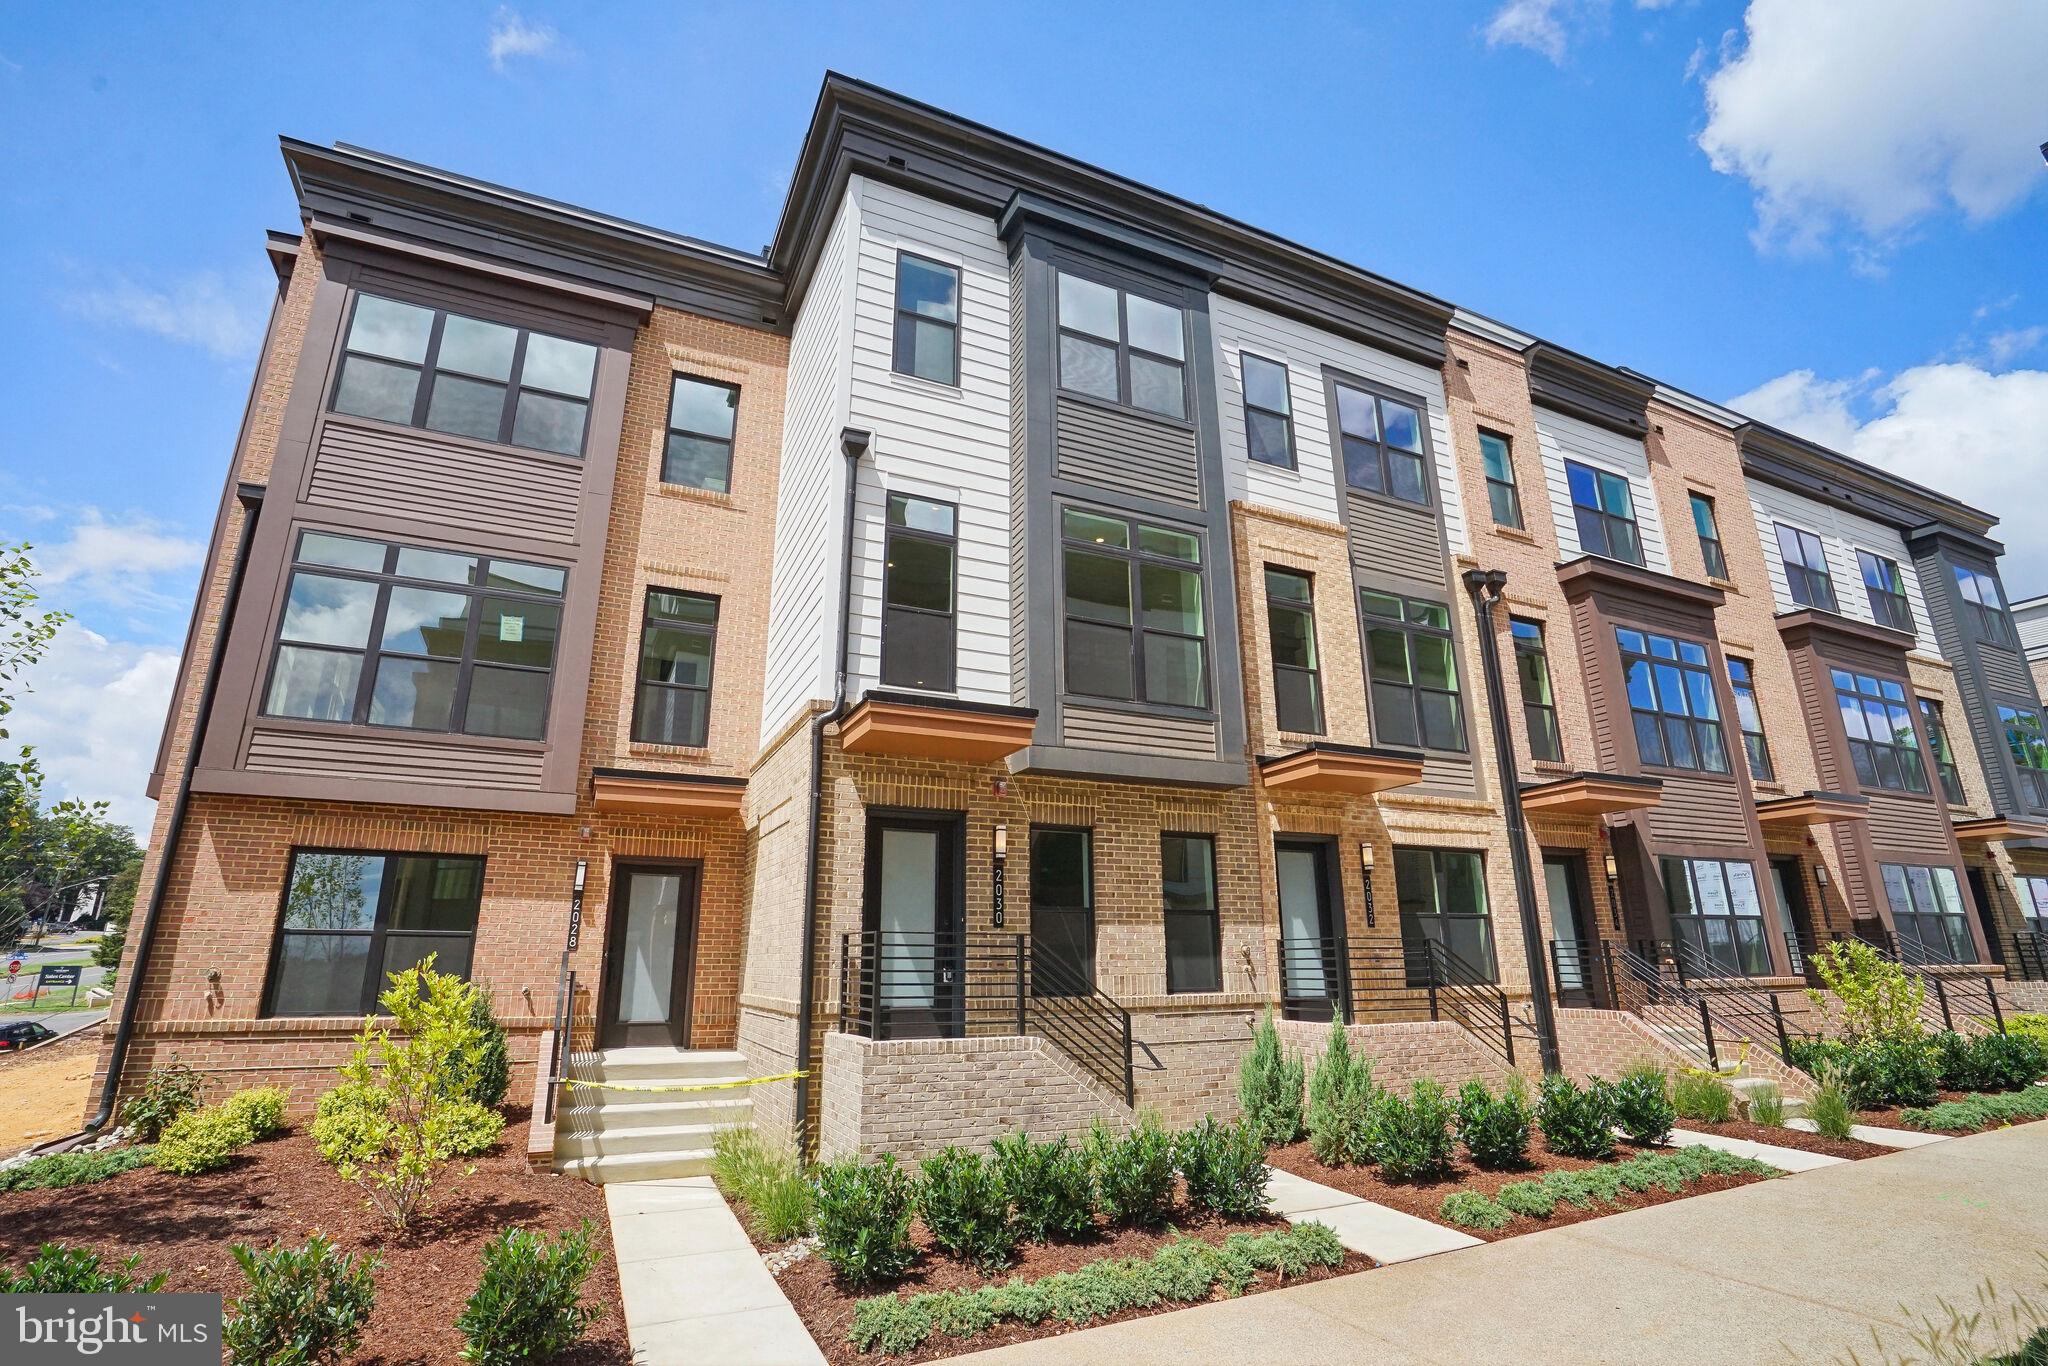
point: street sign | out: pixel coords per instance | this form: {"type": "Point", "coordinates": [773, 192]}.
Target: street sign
{"type": "Point", "coordinates": [14, 967]}
{"type": "Point", "coordinates": [59, 975]}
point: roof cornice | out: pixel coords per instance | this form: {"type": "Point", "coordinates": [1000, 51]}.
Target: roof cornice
{"type": "Point", "coordinates": [1807, 467]}
{"type": "Point", "coordinates": [1582, 387]}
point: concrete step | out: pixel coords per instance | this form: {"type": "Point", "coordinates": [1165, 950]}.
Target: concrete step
{"type": "Point", "coordinates": [609, 1142]}
{"type": "Point", "coordinates": [662, 1064]}
{"type": "Point", "coordinates": [647, 1166]}
{"type": "Point", "coordinates": [659, 1109]}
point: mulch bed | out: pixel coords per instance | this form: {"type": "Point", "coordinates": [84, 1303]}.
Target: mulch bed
{"type": "Point", "coordinates": [1892, 1117]}
{"type": "Point", "coordinates": [1853, 1148]}
{"type": "Point", "coordinates": [281, 1190]}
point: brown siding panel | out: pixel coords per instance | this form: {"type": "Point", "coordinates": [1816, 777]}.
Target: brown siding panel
{"type": "Point", "coordinates": [1134, 733]}
{"type": "Point", "coordinates": [368, 755]}
{"type": "Point", "coordinates": [1128, 453]}
{"type": "Point", "coordinates": [1905, 830]}
{"type": "Point", "coordinates": [1699, 811]}
{"type": "Point", "coordinates": [501, 492]}
{"type": "Point", "coordinates": [1389, 541]}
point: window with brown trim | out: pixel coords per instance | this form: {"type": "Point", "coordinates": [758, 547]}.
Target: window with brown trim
{"type": "Point", "coordinates": [1742, 682]}
{"type": "Point", "coordinates": [1944, 754]}
{"type": "Point", "coordinates": [1501, 494]}
{"type": "Point", "coordinates": [1882, 742]}
{"type": "Point", "coordinates": [1539, 705]}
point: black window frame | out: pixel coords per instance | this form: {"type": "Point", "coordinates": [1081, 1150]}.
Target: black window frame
{"type": "Point", "coordinates": [1894, 765]}
{"type": "Point", "coordinates": [1136, 558]}
{"type": "Point", "coordinates": [1596, 521]}
{"type": "Point", "coordinates": [1659, 721]}
{"type": "Point", "coordinates": [1305, 608]}
{"type": "Point", "coordinates": [1041, 909]}
{"type": "Point", "coordinates": [1942, 750]}
{"type": "Point", "coordinates": [1503, 498]}
{"type": "Point", "coordinates": [903, 343]}
{"type": "Point", "coordinates": [1122, 345]}
{"type": "Point", "coordinates": [1742, 683]}
{"type": "Point", "coordinates": [1747, 943]}
{"type": "Point", "coordinates": [1372, 623]}
{"type": "Point", "coordinates": [1992, 623]}
{"type": "Point", "coordinates": [1414, 930]}
{"type": "Point", "coordinates": [1706, 522]}
{"type": "Point", "coordinates": [1913, 921]}
{"type": "Point", "coordinates": [1809, 584]}
{"type": "Point", "coordinates": [1245, 359]}
{"type": "Point", "coordinates": [644, 686]}
{"type": "Point", "coordinates": [1889, 606]}
{"type": "Point", "coordinates": [2029, 756]}
{"type": "Point", "coordinates": [727, 441]}
{"type": "Point", "coordinates": [1212, 914]}
{"type": "Point", "coordinates": [1539, 714]}
{"type": "Point", "coordinates": [379, 934]}
{"type": "Point", "coordinates": [1382, 453]}
{"type": "Point", "coordinates": [891, 650]}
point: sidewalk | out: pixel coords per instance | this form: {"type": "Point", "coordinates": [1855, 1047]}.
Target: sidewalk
{"type": "Point", "coordinates": [1795, 1269]}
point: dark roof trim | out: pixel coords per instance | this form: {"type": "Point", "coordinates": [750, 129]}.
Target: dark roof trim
{"type": "Point", "coordinates": [1584, 388]}
{"type": "Point", "coordinates": [283, 250]}
{"type": "Point", "coordinates": [1808, 621]}
{"type": "Point", "coordinates": [1648, 784]}
{"type": "Point", "coordinates": [1968, 542]}
{"type": "Point", "coordinates": [1025, 212]}
{"type": "Point", "coordinates": [649, 775]}
{"type": "Point", "coordinates": [636, 305]}
{"type": "Point", "coordinates": [1807, 467]}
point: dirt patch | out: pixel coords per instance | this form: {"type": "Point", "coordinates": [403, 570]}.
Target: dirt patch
{"type": "Point", "coordinates": [43, 1091]}
{"type": "Point", "coordinates": [1853, 1148]}
{"type": "Point", "coordinates": [281, 1190]}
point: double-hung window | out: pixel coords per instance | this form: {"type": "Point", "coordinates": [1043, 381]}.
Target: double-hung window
{"type": "Point", "coordinates": [1944, 754]}
{"type": "Point", "coordinates": [1442, 896]}
{"type": "Point", "coordinates": [1062, 911]}
{"type": "Point", "coordinates": [1194, 945]}
{"type": "Point", "coordinates": [2033, 897]}
{"type": "Point", "coordinates": [701, 414]}
{"type": "Point", "coordinates": [430, 368]}
{"type": "Point", "coordinates": [1268, 411]}
{"type": "Point", "coordinates": [1882, 742]}
{"type": "Point", "coordinates": [1539, 705]}
{"type": "Point", "coordinates": [1382, 441]}
{"type": "Point", "coordinates": [352, 919]}
{"type": "Point", "coordinates": [1985, 603]}
{"type": "Point", "coordinates": [1806, 568]}
{"type": "Point", "coordinates": [1122, 347]}
{"type": "Point", "coordinates": [1291, 630]}
{"type": "Point", "coordinates": [2029, 746]}
{"type": "Point", "coordinates": [927, 319]}
{"type": "Point", "coordinates": [1605, 512]}
{"type": "Point", "coordinates": [1671, 699]}
{"type": "Point", "coordinates": [1494, 453]}
{"type": "Point", "coordinates": [1927, 913]}
{"type": "Point", "coordinates": [673, 703]}
{"type": "Point", "coordinates": [1703, 522]}
{"type": "Point", "coordinates": [396, 635]}
{"type": "Point", "coordinates": [1135, 623]}
{"type": "Point", "coordinates": [1413, 672]}
{"type": "Point", "coordinates": [1742, 682]}
{"type": "Point", "coordinates": [1715, 910]}
{"type": "Point", "coordinates": [918, 593]}
{"type": "Point", "coordinates": [1888, 605]}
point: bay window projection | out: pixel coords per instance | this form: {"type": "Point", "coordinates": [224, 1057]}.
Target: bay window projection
{"type": "Point", "coordinates": [1671, 701]}
{"type": "Point", "coordinates": [1122, 347]}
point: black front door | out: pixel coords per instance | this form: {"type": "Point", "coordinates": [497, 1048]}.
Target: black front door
{"type": "Point", "coordinates": [1788, 880]}
{"type": "Point", "coordinates": [912, 915]}
{"type": "Point", "coordinates": [1575, 957]}
{"type": "Point", "coordinates": [1311, 940]}
{"type": "Point", "coordinates": [1980, 892]}
{"type": "Point", "coordinates": [650, 945]}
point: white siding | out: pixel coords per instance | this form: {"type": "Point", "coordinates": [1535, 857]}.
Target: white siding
{"type": "Point", "coordinates": [2031, 616]}
{"type": "Point", "coordinates": [1310, 490]}
{"type": "Point", "coordinates": [939, 442]}
{"type": "Point", "coordinates": [1560, 437]}
{"type": "Point", "coordinates": [1842, 533]}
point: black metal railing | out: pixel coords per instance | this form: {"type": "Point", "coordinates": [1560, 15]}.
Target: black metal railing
{"type": "Point", "coordinates": [1736, 1009]}
{"type": "Point", "coordinates": [1386, 982]}
{"type": "Point", "coordinates": [1579, 973]}
{"type": "Point", "coordinates": [2027, 957]}
{"type": "Point", "coordinates": [557, 1061]}
{"type": "Point", "coordinates": [1955, 995]}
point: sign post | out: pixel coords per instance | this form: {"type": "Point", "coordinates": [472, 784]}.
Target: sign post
{"type": "Point", "coordinates": [59, 975]}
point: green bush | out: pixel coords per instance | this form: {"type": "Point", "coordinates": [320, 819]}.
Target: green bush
{"type": "Point", "coordinates": [1881, 1072]}
{"type": "Point", "coordinates": [1671, 1169]}
{"type": "Point", "coordinates": [304, 1305]}
{"type": "Point", "coordinates": [1643, 1107]}
{"type": "Point", "coordinates": [1052, 1192]}
{"type": "Point", "coordinates": [1866, 996]}
{"type": "Point", "coordinates": [1269, 1087]}
{"type": "Point", "coordinates": [166, 1093]}
{"type": "Point", "coordinates": [60, 1270]}
{"type": "Point", "coordinates": [528, 1305]}
{"type": "Point", "coordinates": [768, 1183]}
{"type": "Point", "coordinates": [1576, 1121]}
{"type": "Point", "coordinates": [1224, 1168]}
{"type": "Point", "coordinates": [864, 1219]}
{"type": "Point", "coordinates": [202, 1141]}
{"type": "Point", "coordinates": [1340, 1097]}
{"type": "Point", "coordinates": [485, 1068]}
{"type": "Point", "coordinates": [1811, 1055]}
{"type": "Point", "coordinates": [1494, 1129]}
{"type": "Point", "coordinates": [2007, 1062]}
{"type": "Point", "coordinates": [1697, 1095]}
{"type": "Point", "coordinates": [1134, 1173]}
{"type": "Point", "coordinates": [2032, 1024]}
{"type": "Point", "coordinates": [1829, 1109]}
{"type": "Point", "coordinates": [73, 1169]}
{"type": "Point", "coordinates": [1981, 1111]}
{"type": "Point", "coordinates": [966, 1207]}
{"type": "Point", "coordinates": [1531, 1198]}
{"type": "Point", "coordinates": [1470, 1209]}
{"type": "Point", "coordinates": [1767, 1106]}
{"type": "Point", "coordinates": [1411, 1139]}
{"type": "Point", "coordinates": [261, 1108]}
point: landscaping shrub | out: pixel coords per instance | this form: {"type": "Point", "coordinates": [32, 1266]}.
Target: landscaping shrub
{"type": "Point", "coordinates": [2007, 1062]}
{"type": "Point", "coordinates": [1340, 1098]}
{"type": "Point", "coordinates": [864, 1219]}
{"type": "Point", "coordinates": [166, 1093]}
{"type": "Point", "coordinates": [1134, 1173]}
{"type": "Point", "coordinates": [966, 1207]}
{"type": "Point", "coordinates": [1411, 1139]}
{"type": "Point", "coordinates": [304, 1305]}
{"type": "Point", "coordinates": [768, 1182]}
{"type": "Point", "coordinates": [1494, 1129]}
{"type": "Point", "coordinates": [529, 1306]}
{"type": "Point", "coordinates": [1829, 1109]}
{"type": "Point", "coordinates": [73, 1169]}
{"type": "Point", "coordinates": [1811, 1055]}
{"type": "Point", "coordinates": [60, 1270]}
{"type": "Point", "coordinates": [1981, 1111]}
{"type": "Point", "coordinates": [2032, 1024]}
{"type": "Point", "coordinates": [1470, 1209]}
{"type": "Point", "coordinates": [1767, 1106]}
{"type": "Point", "coordinates": [261, 1108]}
{"type": "Point", "coordinates": [1863, 995]}
{"type": "Point", "coordinates": [1670, 1170]}
{"type": "Point", "coordinates": [1700, 1096]}
{"type": "Point", "coordinates": [1531, 1198]}
{"type": "Point", "coordinates": [1224, 1168]}
{"type": "Point", "coordinates": [202, 1141]}
{"type": "Point", "coordinates": [1576, 1121]}
{"type": "Point", "coordinates": [1881, 1072]}
{"type": "Point", "coordinates": [485, 1068]}
{"type": "Point", "coordinates": [1643, 1106]}
{"type": "Point", "coordinates": [1052, 1192]}
{"type": "Point", "coordinates": [1269, 1087]}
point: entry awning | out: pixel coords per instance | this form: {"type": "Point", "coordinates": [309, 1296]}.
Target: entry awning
{"type": "Point", "coordinates": [1592, 794]}
{"type": "Point", "coordinates": [936, 728]}
{"type": "Point", "coordinates": [666, 794]}
{"type": "Point", "coordinates": [1812, 808]}
{"type": "Point", "coordinates": [1998, 830]}
{"type": "Point", "coordinates": [1324, 767]}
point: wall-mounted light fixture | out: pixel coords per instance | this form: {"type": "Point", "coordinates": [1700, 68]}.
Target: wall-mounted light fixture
{"type": "Point", "coordinates": [1820, 875]}
{"type": "Point", "coordinates": [1372, 919]}
{"type": "Point", "coordinates": [1613, 870]}
{"type": "Point", "coordinates": [1002, 841]}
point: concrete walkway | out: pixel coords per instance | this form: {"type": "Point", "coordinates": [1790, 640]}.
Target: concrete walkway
{"type": "Point", "coordinates": [1870, 1133]}
{"type": "Point", "coordinates": [1779, 1270]}
{"type": "Point", "coordinates": [1784, 1159]}
{"type": "Point", "coordinates": [694, 1287]}
{"type": "Point", "coordinates": [1383, 1234]}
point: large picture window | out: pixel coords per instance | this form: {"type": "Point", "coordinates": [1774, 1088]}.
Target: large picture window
{"type": "Point", "coordinates": [1382, 442]}
{"type": "Point", "coordinates": [1442, 895]}
{"type": "Point", "coordinates": [1604, 510]}
{"type": "Point", "coordinates": [1927, 913]}
{"type": "Point", "coordinates": [677, 636]}
{"type": "Point", "coordinates": [1882, 743]}
{"type": "Point", "coordinates": [1413, 672]}
{"type": "Point", "coordinates": [1944, 753]}
{"type": "Point", "coordinates": [918, 593]}
{"type": "Point", "coordinates": [1742, 682]}
{"type": "Point", "coordinates": [1806, 568]}
{"type": "Point", "coordinates": [1984, 604]}
{"type": "Point", "coordinates": [1715, 909]}
{"type": "Point", "coordinates": [2029, 747]}
{"type": "Point", "coordinates": [351, 919]}
{"type": "Point", "coordinates": [701, 417]}
{"type": "Point", "coordinates": [1062, 911]}
{"type": "Point", "coordinates": [430, 368]}
{"type": "Point", "coordinates": [1291, 630]}
{"type": "Point", "coordinates": [927, 319]}
{"type": "Point", "coordinates": [1671, 700]}
{"type": "Point", "coordinates": [395, 635]}
{"type": "Point", "coordinates": [1539, 706]}
{"type": "Point", "coordinates": [1135, 623]}
{"type": "Point", "coordinates": [1194, 945]}
{"type": "Point", "coordinates": [1122, 347]}
{"type": "Point", "coordinates": [1887, 591]}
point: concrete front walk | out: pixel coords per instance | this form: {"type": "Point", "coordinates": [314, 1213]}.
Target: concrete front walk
{"type": "Point", "coordinates": [694, 1287]}
{"type": "Point", "coordinates": [1804, 1265]}
{"type": "Point", "coordinates": [1870, 1133]}
{"type": "Point", "coordinates": [1784, 1159]}
{"type": "Point", "coordinates": [1383, 1234]}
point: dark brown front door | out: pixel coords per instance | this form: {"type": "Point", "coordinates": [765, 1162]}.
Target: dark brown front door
{"type": "Point", "coordinates": [649, 947]}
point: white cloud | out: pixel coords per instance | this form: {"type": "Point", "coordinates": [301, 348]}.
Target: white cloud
{"type": "Point", "coordinates": [1874, 115]}
{"type": "Point", "coordinates": [205, 310]}
{"type": "Point", "coordinates": [120, 563]}
{"type": "Point", "coordinates": [512, 35]}
{"type": "Point", "coordinates": [1539, 25]}
{"type": "Point", "coordinates": [93, 711]}
{"type": "Point", "coordinates": [2008, 346]}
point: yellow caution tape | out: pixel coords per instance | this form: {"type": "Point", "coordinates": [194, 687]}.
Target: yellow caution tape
{"type": "Point", "coordinates": [698, 1086]}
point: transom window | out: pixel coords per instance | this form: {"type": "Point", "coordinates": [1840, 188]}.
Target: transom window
{"type": "Point", "coordinates": [1500, 480]}
{"type": "Point", "coordinates": [1442, 896]}
{"type": "Point", "coordinates": [677, 637]}
{"type": "Point", "coordinates": [1944, 754]}
{"type": "Point", "coordinates": [1382, 441]}
{"type": "Point", "coordinates": [927, 319]}
{"type": "Point", "coordinates": [1122, 347]}
{"type": "Point", "coordinates": [1268, 411]}
{"type": "Point", "coordinates": [1882, 743]}
{"type": "Point", "coordinates": [918, 592]}
{"type": "Point", "coordinates": [396, 635]}
{"type": "Point", "coordinates": [1413, 672]}
{"type": "Point", "coordinates": [1887, 589]}
{"type": "Point", "coordinates": [1985, 603]}
{"type": "Point", "coordinates": [1742, 682]}
{"type": "Point", "coordinates": [1291, 630]}
{"type": "Point", "coordinates": [1134, 616]}
{"type": "Point", "coordinates": [1806, 568]}
{"type": "Point", "coordinates": [351, 919]}
{"type": "Point", "coordinates": [1539, 706]}
{"type": "Point", "coordinates": [1194, 945]}
{"type": "Point", "coordinates": [445, 372]}
{"type": "Point", "coordinates": [1604, 510]}
{"type": "Point", "coordinates": [2023, 736]}
{"type": "Point", "coordinates": [701, 416]}
{"type": "Point", "coordinates": [1711, 552]}
{"type": "Point", "coordinates": [1671, 699]}
{"type": "Point", "coordinates": [1927, 913]}
{"type": "Point", "coordinates": [1716, 910]}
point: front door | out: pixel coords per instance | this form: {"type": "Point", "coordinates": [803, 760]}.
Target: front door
{"type": "Point", "coordinates": [1311, 947]}
{"type": "Point", "coordinates": [649, 949]}
{"type": "Point", "coordinates": [1564, 878]}
{"type": "Point", "coordinates": [1788, 880]}
{"type": "Point", "coordinates": [913, 921]}
{"type": "Point", "coordinates": [1987, 917]}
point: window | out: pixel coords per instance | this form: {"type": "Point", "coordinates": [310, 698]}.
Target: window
{"type": "Point", "coordinates": [1710, 537]}
{"type": "Point", "coordinates": [429, 368]}
{"type": "Point", "coordinates": [1539, 707]}
{"type": "Point", "coordinates": [1291, 630]}
{"type": "Point", "coordinates": [1122, 347]}
{"type": "Point", "coordinates": [1382, 441]}
{"type": "Point", "coordinates": [1194, 945]}
{"type": "Point", "coordinates": [1500, 480]}
{"type": "Point", "coordinates": [1742, 682]}
{"type": "Point", "coordinates": [918, 594]}
{"type": "Point", "coordinates": [1062, 911]}
{"type": "Point", "coordinates": [1605, 511]}
{"type": "Point", "coordinates": [2029, 748]}
{"type": "Point", "coordinates": [1413, 672]}
{"type": "Point", "coordinates": [1716, 911]}
{"type": "Point", "coordinates": [1880, 728]}
{"type": "Point", "coordinates": [1442, 895]}
{"type": "Point", "coordinates": [1944, 754]}
{"type": "Point", "coordinates": [927, 319]}
{"type": "Point", "coordinates": [396, 635]}
{"type": "Point", "coordinates": [1806, 568]}
{"type": "Point", "coordinates": [1985, 603]}
{"type": "Point", "coordinates": [701, 414]}
{"type": "Point", "coordinates": [673, 703]}
{"type": "Point", "coordinates": [1155, 653]}
{"type": "Point", "coordinates": [2033, 898]}
{"type": "Point", "coordinates": [1268, 411]}
{"type": "Point", "coordinates": [1671, 696]}
{"type": "Point", "coordinates": [1888, 605]}
{"type": "Point", "coordinates": [1927, 913]}
{"type": "Point", "coordinates": [351, 919]}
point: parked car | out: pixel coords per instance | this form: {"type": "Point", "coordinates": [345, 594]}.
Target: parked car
{"type": "Point", "coordinates": [27, 1034]}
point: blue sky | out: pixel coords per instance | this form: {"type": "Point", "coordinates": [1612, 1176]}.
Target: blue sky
{"type": "Point", "coordinates": [1834, 213]}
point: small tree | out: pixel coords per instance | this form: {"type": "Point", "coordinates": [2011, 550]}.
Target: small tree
{"type": "Point", "coordinates": [1269, 1087]}
{"type": "Point", "coordinates": [1340, 1092]}
{"type": "Point", "coordinates": [1867, 996]}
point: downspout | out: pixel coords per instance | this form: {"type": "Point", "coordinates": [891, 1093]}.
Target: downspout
{"type": "Point", "coordinates": [853, 443]}
{"type": "Point", "coordinates": [250, 496]}
{"type": "Point", "coordinates": [1485, 587]}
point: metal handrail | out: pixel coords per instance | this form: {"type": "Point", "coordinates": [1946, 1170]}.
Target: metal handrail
{"type": "Point", "coordinates": [1394, 980]}
{"type": "Point", "coordinates": [1955, 996]}
{"type": "Point", "coordinates": [1737, 1009]}
{"type": "Point", "coordinates": [1643, 989]}
{"type": "Point", "coordinates": [1582, 961]}
{"type": "Point", "coordinates": [557, 1062]}
{"type": "Point", "coordinates": [2029, 958]}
